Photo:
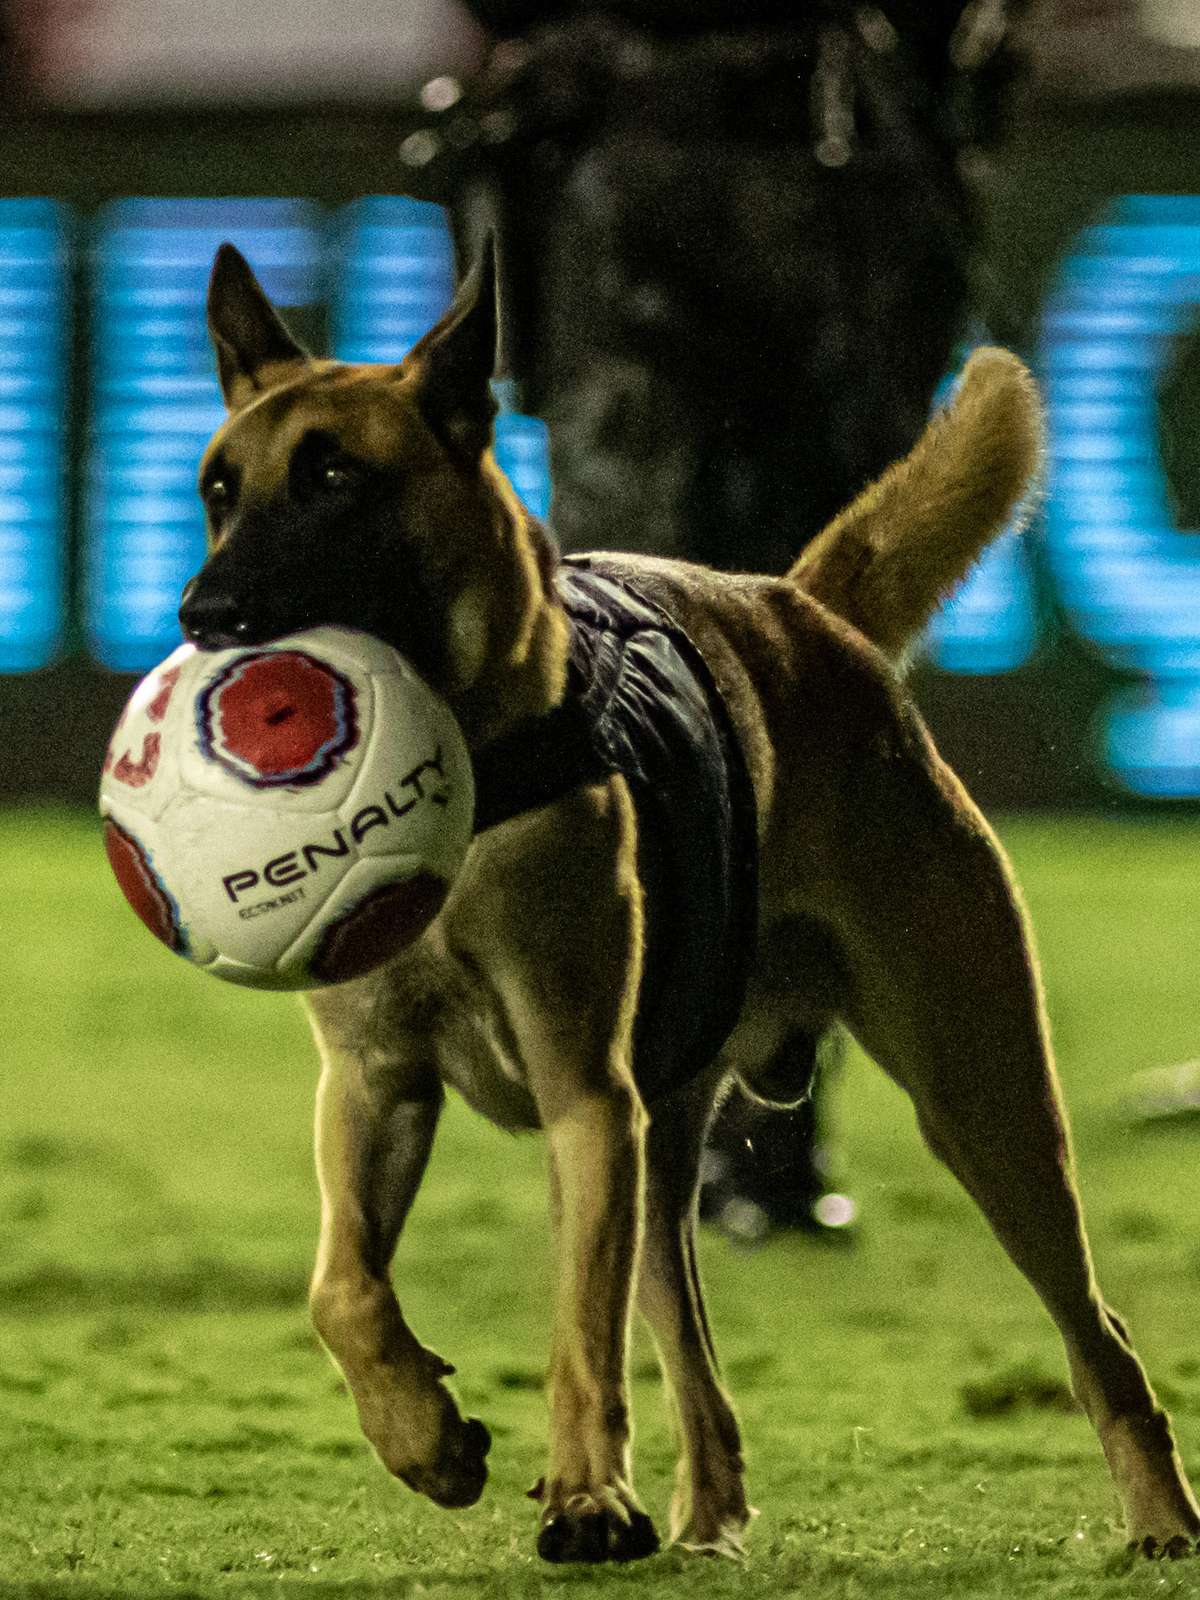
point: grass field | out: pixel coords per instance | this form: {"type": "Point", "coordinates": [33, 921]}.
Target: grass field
{"type": "Point", "coordinates": [170, 1427]}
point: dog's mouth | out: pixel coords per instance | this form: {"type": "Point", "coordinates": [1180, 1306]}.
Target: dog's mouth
{"type": "Point", "coordinates": [261, 594]}
{"type": "Point", "coordinates": [213, 618]}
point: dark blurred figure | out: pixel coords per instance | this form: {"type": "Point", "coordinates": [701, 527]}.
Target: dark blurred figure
{"type": "Point", "coordinates": [736, 242]}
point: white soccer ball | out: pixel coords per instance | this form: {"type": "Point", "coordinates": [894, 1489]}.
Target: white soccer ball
{"type": "Point", "coordinates": [287, 815]}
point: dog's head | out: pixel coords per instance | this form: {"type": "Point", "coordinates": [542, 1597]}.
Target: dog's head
{"type": "Point", "coordinates": [367, 496]}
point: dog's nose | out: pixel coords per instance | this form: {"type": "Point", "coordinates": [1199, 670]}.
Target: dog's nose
{"type": "Point", "coordinates": [212, 618]}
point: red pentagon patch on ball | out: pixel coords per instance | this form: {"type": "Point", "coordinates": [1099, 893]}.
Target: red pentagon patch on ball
{"type": "Point", "coordinates": [142, 886]}
{"type": "Point", "coordinates": [379, 925]}
{"type": "Point", "coordinates": [277, 718]}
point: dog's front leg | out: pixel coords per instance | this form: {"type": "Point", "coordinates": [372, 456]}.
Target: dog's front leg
{"type": "Point", "coordinates": [589, 1510]}
{"type": "Point", "coordinates": [375, 1126]}
{"type": "Point", "coordinates": [567, 972]}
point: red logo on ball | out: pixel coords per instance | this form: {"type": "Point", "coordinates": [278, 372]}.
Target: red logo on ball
{"type": "Point", "coordinates": [277, 718]}
{"type": "Point", "coordinates": [137, 772]}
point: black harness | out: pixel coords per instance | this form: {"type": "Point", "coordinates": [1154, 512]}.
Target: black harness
{"type": "Point", "coordinates": [642, 701]}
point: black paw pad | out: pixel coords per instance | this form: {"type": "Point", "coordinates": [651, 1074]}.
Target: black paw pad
{"type": "Point", "coordinates": [476, 1438]}
{"type": "Point", "coordinates": [639, 1539]}
{"type": "Point", "coordinates": [1174, 1549]}
{"type": "Point", "coordinates": [592, 1536]}
{"type": "Point", "coordinates": [461, 1471]}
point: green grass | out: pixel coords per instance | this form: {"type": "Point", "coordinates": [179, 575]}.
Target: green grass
{"type": "Point", "coordinates": [170, 1427]}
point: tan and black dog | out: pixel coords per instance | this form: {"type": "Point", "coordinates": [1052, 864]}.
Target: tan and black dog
{"type": "Point", "coordinates": [368, 496]}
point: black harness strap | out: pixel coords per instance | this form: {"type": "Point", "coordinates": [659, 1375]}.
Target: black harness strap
{"type": "Point", "coordinates": [536, 763]}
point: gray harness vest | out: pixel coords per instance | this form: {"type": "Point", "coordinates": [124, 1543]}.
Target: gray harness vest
{"type": "Point", "coordinates": [641, 701]}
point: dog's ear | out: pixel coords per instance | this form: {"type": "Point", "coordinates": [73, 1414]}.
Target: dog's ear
{"type": "Point", "coordinates": [455, 360]}
{"type": "Point", "coordinates": [254, 349]}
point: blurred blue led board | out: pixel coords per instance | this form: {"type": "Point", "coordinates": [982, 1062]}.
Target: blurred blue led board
{"type": "Point", "coordinates": [1128, 579]}
{"type": "Point", "coordinates": [33, 376]}
{"type": "Point", "coordinates": [155, 399]}
{"type": "Point", "coordinates": [990, 624]}
{"type": "Point", "coordinates": [1151, 738]}
{"type": "Point", "coordinates": [522, 451]}
{"type": "Point", "coordinates": [395, 276]}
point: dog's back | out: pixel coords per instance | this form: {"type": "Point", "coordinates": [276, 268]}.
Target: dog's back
{"type": "Point", "coordinates": [789, 667]}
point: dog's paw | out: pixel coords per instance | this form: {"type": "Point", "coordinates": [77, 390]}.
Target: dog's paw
{"type": "Point", "coordinates": [724, 1537]}
{"type": "Point", "coordinates": [727, 1542]}
{"type": "Point", "coordinates": [713, 1519]}
{"type": "Point", "coordinates": [592, 1528]}
{"type": "Point", "coordinates": [455, 1471]}
{"type": "Point", "coordinates": [1176, 1548]}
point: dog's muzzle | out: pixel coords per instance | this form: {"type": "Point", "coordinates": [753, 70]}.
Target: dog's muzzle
{"type": "Point", "coordinates": [214, 619]}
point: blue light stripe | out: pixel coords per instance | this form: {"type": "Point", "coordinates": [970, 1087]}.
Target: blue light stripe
{"type": "Point", "coordinates": [396, 276]}
{"type": "Point", "coordinates": [156, 400]}
{"type": "Point", "coordinates": [1128, 578]}
{"type": "Point", "coordinates": [34, 307]}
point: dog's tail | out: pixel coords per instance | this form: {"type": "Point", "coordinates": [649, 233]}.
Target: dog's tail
{"type": "Point", "coordinates": [887, 560]}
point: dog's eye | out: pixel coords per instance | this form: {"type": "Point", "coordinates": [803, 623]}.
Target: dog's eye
{"type": "Point", "coordinates": [218, 495]}
{"type": "Point", "coordinates": [339, 474]}
{"type": "Point", "coordinates": [319, 466]}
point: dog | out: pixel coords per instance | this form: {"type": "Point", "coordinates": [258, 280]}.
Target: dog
{"type": "Point", "coordinates": [368, 496]}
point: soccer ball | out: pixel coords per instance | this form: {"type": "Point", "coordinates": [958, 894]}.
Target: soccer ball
{"type": "Point", "coordinates": [287, 815]}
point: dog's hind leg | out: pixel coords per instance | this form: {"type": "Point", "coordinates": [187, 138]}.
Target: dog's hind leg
{"type": "Point", "coordinates": [945, 996]}
{"type": "Point", "coordinates": [709, 1509]}
{"type": "Point", "coordinates": [375, 1125]}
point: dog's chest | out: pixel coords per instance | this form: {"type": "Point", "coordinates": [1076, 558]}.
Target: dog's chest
{"type": "Point", "coordinates": [476, 1053]}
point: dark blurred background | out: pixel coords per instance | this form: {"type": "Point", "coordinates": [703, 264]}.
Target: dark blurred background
{"type": "Point", "coordinates": [136, 136]}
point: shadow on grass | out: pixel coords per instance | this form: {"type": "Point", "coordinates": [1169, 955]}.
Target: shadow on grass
{"type": "Point", "coordinates": [202, 1284]}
